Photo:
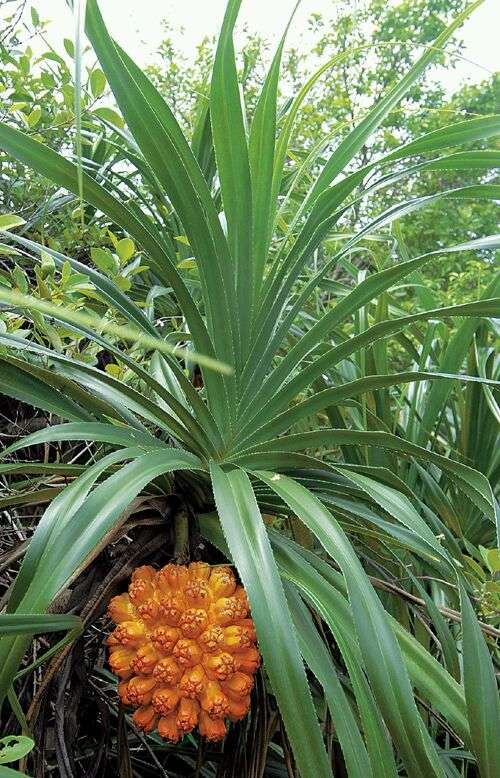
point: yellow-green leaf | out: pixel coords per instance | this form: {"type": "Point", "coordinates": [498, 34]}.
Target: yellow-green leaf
{"type": "Point", "coordinates": [10, 220]}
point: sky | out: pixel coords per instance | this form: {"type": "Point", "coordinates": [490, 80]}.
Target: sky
{"type": "Point", "coordinates": [136, 24]}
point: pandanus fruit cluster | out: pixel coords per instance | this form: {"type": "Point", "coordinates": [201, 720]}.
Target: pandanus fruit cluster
{"type": "Point", "coordinates": [184, 647]}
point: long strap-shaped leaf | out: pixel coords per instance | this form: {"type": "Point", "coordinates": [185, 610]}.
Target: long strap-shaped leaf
{"type": "Point", "coordinates": [325, 589]}
{"type": "Point", "coordinates": [410, 529]}
{"type": "Point", "coordinates": [178, 405]}
{"type": "Point", "coordinates": [190, 199]}
{"type": "Point", "coordinates": [102, 409]}
{"type": "Point", "coordinates": [156, 130]}
{"type": "Point", "coordinates": [278, 400]}
{"type": "Point", "coordinates": [123, 395]}
{"type": "Point", "coordinates": [231, 152]}
{"type": "Point", "coordinates": [446, 137]}
{"type": "Point", "coordinates": [220, 252]}
{"type": "Point", "coordinates": [22, 467]}
{"type": "Point", "coordinates": [323, 584]}
{"type": "Point", "coordinates": [461, 160]}
{"type": "Point", "coordinates": [473, 483]}
{"type": "Point", "coordinates": [17, 382]}
{"type": "Point", "coordinates": [289, 120]}
{"type": "Point", "coordinates": [54, 166]}
{"type": "Point", "coordinates": [38, 624]}
{"type": "Point", "coordinates": [355, 140]}
{"type": "Point", "coordinates": [331, 603]}
{"type": "Point", "coordinates": [261, 155]}
{"type": "Point", "coordinates": [294, 568]}
{"type": "Point", "coordinates": [481, 693]}
{"type": "Point", "coordinates": [98, 514]}
{"type": "Point", "coordinates": [455, 134]}
{"type": "Point", "coordinates": [95, 431]}
{"type": "Point", "coordinates": [249, 546]}
{"type": "Point", "coordinates": [454, 353]}
{"type": "Point", "coordinates": [104, 406]}
{"type": "Point", "coordinates": [117, 394]}
{"type": "Point", "coordinates": [56, 516]}
{"type": "Point", "coordinates": [365, 291]}
{"type": "Point", "coordinates": [380, 649]}
{"type": "Point", "coordinates": [202, 141]}
{"type": "Point", "coordinates": [270, 337]}
{"type": "Point", "coordinates": [331, 199]}
{"type": "Point", "coordinates": [81, 536]}
{"type": "Point", "coordinates": [333, 608]}
{"type": "Point", "coordinates": [208, 424]}
{"type": "Point", "coordinates": [318, 659]}
{"type": "Point", "coordinates": [337, 394]}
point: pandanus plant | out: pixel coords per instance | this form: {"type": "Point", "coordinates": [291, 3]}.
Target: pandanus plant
{"type": "Point", "coordinates": [360, 496]}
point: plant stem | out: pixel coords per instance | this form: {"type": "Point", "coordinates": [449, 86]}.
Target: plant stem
{"type": "Point", "coordinates": [181, 537]}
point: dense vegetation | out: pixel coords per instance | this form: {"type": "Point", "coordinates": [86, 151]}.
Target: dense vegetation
{"type": "Point", "coordinates": [262, 331]}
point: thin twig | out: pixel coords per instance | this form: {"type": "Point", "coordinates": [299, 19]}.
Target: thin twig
{"type": "Point", "coordinates": [448, 612]}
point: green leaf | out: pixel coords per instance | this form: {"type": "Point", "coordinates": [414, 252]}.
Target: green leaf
{"type": "Point", "coordinates": [14, 747]}
{"type": "Point", "coordinates": [275, 401]}
{"type": "Point", "coordinates": [320, 582]}
{"type": "Point", "coordinates": [100, 512]}
{"type": "Point", "coordinates": [34, 117]}
{"type": "Point", "coordinates": [334, 609]}
{"type": "Point", "coordinates": [125, 248]}
{"type": "Point", "coordinates": [336, 395]}
{"type": "Point", "coordinates": [125, 332]}
{"type": "Point", "coordinates": [104, 260]}
{"type": "Point", "coordinates": [261, 146]}
{"type": "Point", "coordinates": [384, 663]}
{"type": "Point", "coordinates": [318, 658]}
{"type": "Point", "coordinates": [21, 279]}
{"type": "Point", "coordinates": [451, 360]}
{"type": "Point", "coordinates": [117, 395]}
{"type": "Point", "coordinates": [444, 634]}
{"type": "Point", "coordinates": [132, 313]}
{"type": "Point", "coordinates": [249, 546]}
{"type": "Point", "coordinates": [77, 541]}
{"type": "Point", "coordinates": [109, 115]}
{"type": "Point", "coordinates": [87, 407]}
{"type": "Point", "coordinates": [470, 481]}
{"type": "Point", "coordinates": [52, 165]}
{"type": "Point", "coordinates": [286, 131]}
{"type": "Point", "coordinates": [187, 264]}
{"type": "Point", "coordinates": [270, 336]}
{"type": "Point", "coordinates": [97, 82]}
{"type": "Point", "coordinates": [57, 515]}
{"type": "Point", "coordinates": [104, 433]}
{"type": "Point", "coordinates": [166, 150]}
{"type": "Point", "coordinates": [170, 157]}
{"type": "Point", "coordinates": [37, 624]}
{"type": "Point", "coordinates": [231, 152]}
{"type": "Point", "coordinates": [10, 220]}
{"type": "Point", "coordinates": [16, 381]}
{"type": "Point", "coordinates": [69, 47]}
{"type": "Point", "coordinates": [401, 509]}
{"type": "Point", "coordinates": [456, 134]}
{"type": "Point", "coordinates": [481, 693]}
